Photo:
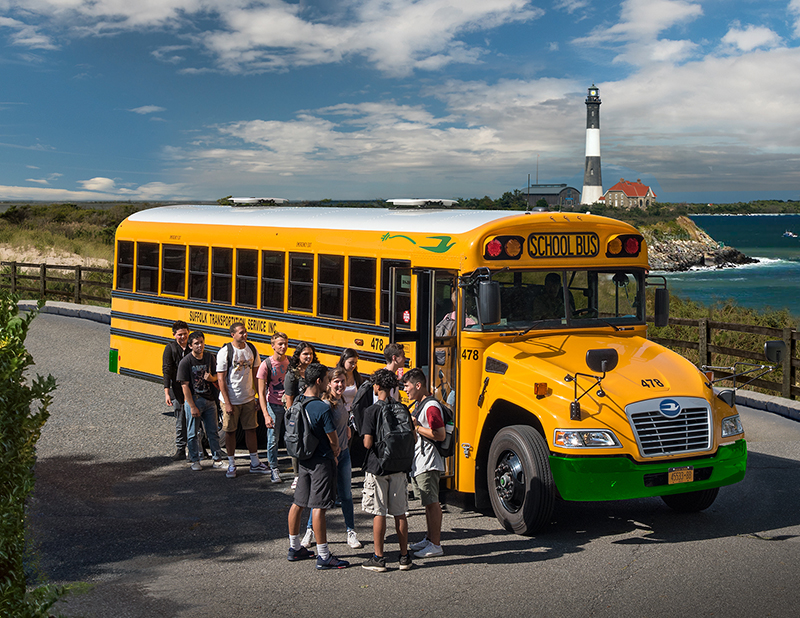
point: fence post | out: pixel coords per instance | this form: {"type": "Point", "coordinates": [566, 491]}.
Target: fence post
{"type": "Point", "coordinates": [13, 277]}
{"type": "Point", "coordinates": [43, 280]}
{"type": "Point", "coordinates": [77, 296]}
{"type": "Point", "coordinates": [703, 353]}
{"type": "Point", "coordinates": [788, 369]}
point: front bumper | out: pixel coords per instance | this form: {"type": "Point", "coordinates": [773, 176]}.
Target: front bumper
{"type": "Point", "coordinates": [621, 478]}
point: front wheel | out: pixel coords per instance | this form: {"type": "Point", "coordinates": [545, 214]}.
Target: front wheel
{"type": "Point", "coordinates": [521, 486]}
{"type": "Point", "coordinates": [693, 501]}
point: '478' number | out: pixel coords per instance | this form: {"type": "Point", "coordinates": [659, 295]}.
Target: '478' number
{"type": "Point", "coordinates": [469, 355]}
{"type": "Point", "coordinates": [652, 383]}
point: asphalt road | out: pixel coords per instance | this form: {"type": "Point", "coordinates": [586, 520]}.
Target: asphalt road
{"type": "Point", "coordinates": [153, 538]}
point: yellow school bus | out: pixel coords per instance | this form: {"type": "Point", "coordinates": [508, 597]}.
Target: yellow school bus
{"type": "Point", "coordinates": [531, 325]}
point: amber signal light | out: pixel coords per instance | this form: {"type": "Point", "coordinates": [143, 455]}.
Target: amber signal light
{"type": "Point", "coordinates": [624, 245]}
{"type": "Point", "coordinates": [504, 248]}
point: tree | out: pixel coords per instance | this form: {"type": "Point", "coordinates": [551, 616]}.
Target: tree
{"type": "Point", "coordinates": [20, 427]}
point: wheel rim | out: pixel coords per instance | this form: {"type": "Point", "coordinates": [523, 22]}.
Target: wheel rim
{"type": "Point", "coordinates": [509, 481]}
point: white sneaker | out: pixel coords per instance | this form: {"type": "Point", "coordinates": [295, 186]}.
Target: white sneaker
{"type": "Point", "coordinates": [218, 463]}
{"type": "Point", "coordinates": [294, 483]}
{"type": "Point", "coordinates": [429, 551]}
{"type": "Point", "coordinates": [276, 476]}
{"type": "Point", "coordinates": [196, 466]}
{"type": "Point", "coordinates": [308, 538]}
{"type": "Point", "coordinates": [419, 544]}
{"type": "Point", "coordinates": [352, 540]}
{"type": "Point", "coordinates": [231, 473]}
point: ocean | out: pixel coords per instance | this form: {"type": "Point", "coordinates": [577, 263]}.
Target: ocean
{"type": "Point", "coordinates": [774, 282]}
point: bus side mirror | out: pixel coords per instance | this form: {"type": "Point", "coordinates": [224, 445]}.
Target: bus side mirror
{"type": "Point", "coordinates": [489, 302]}
{"type": "Point", "coordinates": [775, 351]}
{"type": "Point", "coordinates": [602, 360]}
{"type": "Point", "coordinates": [661, 307]}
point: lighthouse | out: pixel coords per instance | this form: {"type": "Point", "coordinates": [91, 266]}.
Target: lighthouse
{"type": "Point", "coordinates": [592, 181]}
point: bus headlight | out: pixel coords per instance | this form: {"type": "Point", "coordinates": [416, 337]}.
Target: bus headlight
{"type": "Point", "coordinates": [731, 426]}
{"type": "Point", "coordinates": [585, 438]}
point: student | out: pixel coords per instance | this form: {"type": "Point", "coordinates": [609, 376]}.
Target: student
{"type": "Point", "coordinates": [196, 372]}
{"type": "Point", "coordinates": [173, 393]}
{"type": "Point", "coordinates": [316, 477]}
{"type": "Point", "coordinates": [348, 362]}
{"type": "Point", "coordinates": [384, 494]}
{"type": "Point", "coordinates": [271, 375]}
{"type": "Point", "coordinates": [344, 470]}
{"type": "Point", "coordinates": [237, 364]}
{"type": "Point", "coordinates": [294, 384]}
{"type": "Point", "coordinates": [428, 463]}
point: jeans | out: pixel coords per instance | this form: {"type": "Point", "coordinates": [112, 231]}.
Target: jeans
{"type": "Point", "coordinates": [276, 412]}
{"type": "Point", "coordinates": [344, 489]}
{"type": "Point", "coordinates": [208, 415]}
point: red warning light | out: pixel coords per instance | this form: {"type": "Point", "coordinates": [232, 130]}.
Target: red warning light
{"type": "Point", "coordinates": [494, 248]}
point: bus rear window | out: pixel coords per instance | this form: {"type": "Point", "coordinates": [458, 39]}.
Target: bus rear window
{"type": "Point", "coordinates": [221, 274]}
{"type": "Point", "coordinates": [147, 267]}
{"type": "Point", "coordinates": [125, 265]}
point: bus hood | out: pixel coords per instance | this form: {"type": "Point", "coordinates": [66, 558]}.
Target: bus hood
{"type": "Point", "coordinates": [645, 369]}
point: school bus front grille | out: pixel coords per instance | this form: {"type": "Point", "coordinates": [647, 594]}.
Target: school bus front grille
{"type": "Point", "coordinates": [658, 435]}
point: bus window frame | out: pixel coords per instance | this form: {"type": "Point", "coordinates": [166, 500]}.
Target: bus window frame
{"type": "Point", "coordinates": [147, 268]}
{"type": "Point", "coordinates": [242, 281]}
{"type": "Point", "coordinates": [218, 276]}
{"type": "Point", "coordinates": [266, 282]}
{"type": "Point", "coordinates": [165, 271]}
{"type": "Point", "coordinates": [308, 286]}
{"type": "Point", "coordinates": [197, 274]}
{"type": "Point", "coordinates": [387, 300]}
{"type": "Point", "coordinates": [359, 290]}
{"type": "Point", "coordinates": [126, 269]}
{"type": "Point", "coordinates": [323, 286]}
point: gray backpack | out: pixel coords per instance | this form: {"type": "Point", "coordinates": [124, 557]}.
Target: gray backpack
{"type": "Point", "coordinates": [300, 441]}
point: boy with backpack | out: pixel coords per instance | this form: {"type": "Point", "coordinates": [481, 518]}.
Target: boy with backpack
{"type": "Point", "coordinates": [389, 439]}
{"type": "Point", "coordinates": [428, 462]}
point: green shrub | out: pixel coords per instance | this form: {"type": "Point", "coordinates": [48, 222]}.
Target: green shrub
{"type": "Point", "coordinates": [23, 413]}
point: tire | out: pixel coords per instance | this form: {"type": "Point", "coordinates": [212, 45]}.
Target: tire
{"type": "Point", "coordinates": [521, 486]}
{"type": "Point", "coordinates": [692, 502]}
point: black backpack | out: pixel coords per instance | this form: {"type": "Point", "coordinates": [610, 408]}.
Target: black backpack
{"type": "Point", "coordinates": [394, 437]}
{"type": "Point", "coordinates": [446, 447]}
{"type": "Point", "coordinates": [300, 441]}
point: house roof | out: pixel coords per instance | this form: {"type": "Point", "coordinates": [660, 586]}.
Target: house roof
{"type": "Point", "coordinates": [632, 189]}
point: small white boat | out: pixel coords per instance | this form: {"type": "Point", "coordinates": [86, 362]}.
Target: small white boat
{"type": "Point", "coordinates": [789, 234]}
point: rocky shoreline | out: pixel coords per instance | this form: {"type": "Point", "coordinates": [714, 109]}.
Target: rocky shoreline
{"type": "Point", "coordinates": [700, 250]}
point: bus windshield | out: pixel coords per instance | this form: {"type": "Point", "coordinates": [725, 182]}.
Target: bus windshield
{"type": "Point", "coordinates": [545, 299]}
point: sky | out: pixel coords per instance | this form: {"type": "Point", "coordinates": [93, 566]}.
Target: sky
{"type": "Point", "coordinates": [188, 100]}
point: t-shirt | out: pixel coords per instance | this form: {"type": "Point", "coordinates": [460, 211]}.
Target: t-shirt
{"type": "Point", "coordinates": [240, 377]}
{"type": "Point", "coordinates": [322, 422]}
{"type": "Point", "coordinates": [193, 370]}
{"type": "Point", "coordinates": [341, 416]}
{"type": "Point", "coordinates": [369, 427]}
{"type": "Point", "coordinates": [277, 374]}
{"type": "Point", "coordinates": [294, 384]}
{"type": "Point", "coordinates": [426, 455]}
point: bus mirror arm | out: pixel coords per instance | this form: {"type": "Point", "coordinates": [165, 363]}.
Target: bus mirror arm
{"type": "Point", "coordinates": [773, 350]}
{"type": "Point", "coordinates": [604, 360]}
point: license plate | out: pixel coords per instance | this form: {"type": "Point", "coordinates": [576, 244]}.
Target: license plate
{"type": "Point", "coordinates": [680, 475]}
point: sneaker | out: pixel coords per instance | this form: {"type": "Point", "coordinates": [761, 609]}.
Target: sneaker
{"type": "Point", "coordinates": [429, 551]}
{"type": "Point", "coordinates": [231, 473]}
{"type": "Point", "coordinates": [294, 483]}
{"type": "Point", "coordinates": [331, 563]}
{"type": "Point", "coordinates": [308, 538]}
{"type": "Point", "coordinates": [217, 464]}
{"type": "Point", "coordinates": [299, 554]}
{"type": "Point", "coordinates": [196, 466]}
{"type": "Point", "coordinates": [419, 544]}
{"type": "Point", "coordinates": [352, 540]}
{"type": "Point", "coordinates": [405, 563]}
{"type": "Point", "coordinates": [276, 476]}
{"type": "Point", "coordinates": [261, 468]}
{"type": "Point", "coordinates": [375, 563]}
{"type": "Point", "coordinates": [180, 455]}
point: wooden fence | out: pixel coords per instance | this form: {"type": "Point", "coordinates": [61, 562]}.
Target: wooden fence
{"type": "Point", "coordinates": [17, 276]}
{"type": "Point", "coordinates": [706, 351]}
{"type": "Point", "coordinates": [81, 283]}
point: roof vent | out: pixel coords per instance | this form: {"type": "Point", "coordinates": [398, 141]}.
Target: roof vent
{"type": "Point", "coordinates": [421, 203]}
{"type": "Point", "coordinates": [257, 201]}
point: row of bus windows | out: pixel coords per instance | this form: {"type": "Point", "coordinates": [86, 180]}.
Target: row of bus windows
{"type": "Point", "coordinates": [209, 275]}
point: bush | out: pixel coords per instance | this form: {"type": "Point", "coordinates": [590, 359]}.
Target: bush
{"type": "Point", "coordinates": [20, 427]}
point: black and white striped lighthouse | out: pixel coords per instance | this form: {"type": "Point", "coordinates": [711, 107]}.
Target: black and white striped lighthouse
{"type": "Point", "coordinates": [592, 180]}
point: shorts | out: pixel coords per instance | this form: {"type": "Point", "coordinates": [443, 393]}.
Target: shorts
{"type": "Point", "coordinates": [316, 484]}
{"type": "Point", "coordinates": [246, 413]}
{"type": "Point", "coordinates": [428, 484]}
{"type": "Point", "coordinates": [385, 495]}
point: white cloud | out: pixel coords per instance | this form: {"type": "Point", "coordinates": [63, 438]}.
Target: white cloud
{"type": "Point", "coordinates": [751, 37]}
{"type": "Point", "coordinates": [98, 184]}
{"type": "Point", "coordinates": [148, 109]}
{"type": "Point", "coordinates": [397, 36]}
{"type": "Point", "coordinates": [25, 35]}
{"type": "Point", "coordinates": [571, 6]}
{"type": "Point", "coordinates": [794, 9]}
